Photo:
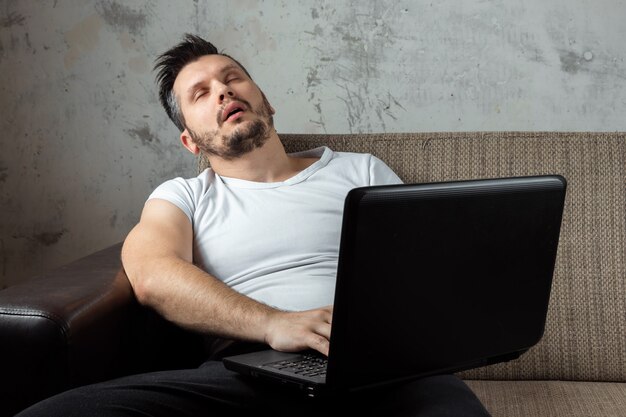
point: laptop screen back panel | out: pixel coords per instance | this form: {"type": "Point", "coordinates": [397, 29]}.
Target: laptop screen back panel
{"type": "Point", "coordinates": [464, 270]}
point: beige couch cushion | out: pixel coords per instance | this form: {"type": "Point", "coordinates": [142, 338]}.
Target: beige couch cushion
{"type": "Point", "coordinates": [551, 398]}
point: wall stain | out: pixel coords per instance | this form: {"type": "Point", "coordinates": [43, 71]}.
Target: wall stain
{"type": "Point", "coordinates": [147, 138]}
{"type": "Point", "coordinates": [384, 107]}
{"type": "Point", "coordinates": [355, 107]}
{"type": "Point", "coordinates": [351, 58]}
{"type": "Point", "coordinates": [82, 38]}
{"type": "Point", "coordinates": [312, 78]}
{"type": "Point", "coordinates": [43, 238]}
{"type": "Point", "coordinates": [49, 238]}
{"type": "Point", "coordinates": [538, 56]}
{"type": "Point", "coordinates": [3, 173]}
{"type": "Point", "coordinates": [317, 31]}
{"type": "Point", "coordinates": [321, 123]}
{"type": "Point", "coordinates": [12, 19]}
{"type": "Point", "coordinates": [122, 17]}
{"type": "Point", "coordinates": [144, 134]}
{"type": "Point", "coordinates": [571, 62]}
{"type": "Point", "coordinates": [113, 220]}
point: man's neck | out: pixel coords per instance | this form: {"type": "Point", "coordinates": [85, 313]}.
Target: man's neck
{"type": "Point", "coordinates": [269, 163]}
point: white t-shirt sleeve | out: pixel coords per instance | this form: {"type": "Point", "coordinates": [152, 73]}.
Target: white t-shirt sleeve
{"type": "Point", "coordinates": [381, 174]}
{"type": "Point", "coordinates": [178, 192]}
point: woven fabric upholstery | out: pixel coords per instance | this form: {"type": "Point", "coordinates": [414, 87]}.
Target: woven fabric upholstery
{"type": "Point", "coordinates": [585, 337]}
{"type": "Point", "coordinates": [551, 398]}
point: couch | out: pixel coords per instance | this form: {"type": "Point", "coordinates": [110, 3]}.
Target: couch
{"type": "Point", "coordinates": [81, 323]}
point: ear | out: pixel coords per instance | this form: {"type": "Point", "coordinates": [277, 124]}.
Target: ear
{"type": "Point", "coordinates": [188, 142]}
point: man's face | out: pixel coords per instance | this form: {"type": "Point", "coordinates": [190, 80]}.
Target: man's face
{"type": "Point", "coordinates": [225, 113]}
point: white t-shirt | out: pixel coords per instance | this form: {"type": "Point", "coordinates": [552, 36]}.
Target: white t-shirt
{"type": "Point", "coordinates": [277, 243]}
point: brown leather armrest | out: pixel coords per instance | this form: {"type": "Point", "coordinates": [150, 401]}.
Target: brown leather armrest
{"type": "Point", "coordinates": [63, 328]}
{"type": "Point", "coordinates": [80, 324]}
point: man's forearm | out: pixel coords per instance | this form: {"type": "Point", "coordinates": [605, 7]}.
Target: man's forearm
{"type": "Point", "coordinates": [192, 298]}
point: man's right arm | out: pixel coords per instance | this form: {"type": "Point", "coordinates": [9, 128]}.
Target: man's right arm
{"type": "Point", "coordinates": [158, 258]}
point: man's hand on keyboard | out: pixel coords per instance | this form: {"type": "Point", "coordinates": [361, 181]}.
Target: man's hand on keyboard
{"type": "Point", "coordinates": [300, 330]}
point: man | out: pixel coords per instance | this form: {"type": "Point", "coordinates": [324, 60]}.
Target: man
{"type": "Point", "coordinates": [246, 252]}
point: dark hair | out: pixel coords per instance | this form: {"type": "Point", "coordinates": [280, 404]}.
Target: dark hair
{"type": "Point", "coordinates": [171, 62]}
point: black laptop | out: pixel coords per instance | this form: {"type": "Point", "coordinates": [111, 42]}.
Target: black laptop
{"type": "Point", "coordinates": [432, 278]}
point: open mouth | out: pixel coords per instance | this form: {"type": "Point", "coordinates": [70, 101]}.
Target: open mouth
{"type": "Point", "coordinates": [231, 111]}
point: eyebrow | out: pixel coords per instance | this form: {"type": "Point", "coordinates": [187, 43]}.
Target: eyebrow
{"type": "Point", "coordinates": [222, 70]}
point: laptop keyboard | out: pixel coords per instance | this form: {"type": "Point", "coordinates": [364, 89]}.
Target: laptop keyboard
{"type": "Point", "coordinates": [306, 365]}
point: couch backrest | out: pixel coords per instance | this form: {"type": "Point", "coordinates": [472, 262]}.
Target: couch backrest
{"type": "Point", "coordinates": [585, 337]}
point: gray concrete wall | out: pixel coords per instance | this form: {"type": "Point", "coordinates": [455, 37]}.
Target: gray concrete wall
{"type": "Point", "coordinates": [84, 140]}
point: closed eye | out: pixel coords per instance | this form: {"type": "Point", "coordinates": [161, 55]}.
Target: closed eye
{"type": "Point", "coordinates": [199, 94]}
{"type": "Point", "coordinates": [232, 75]}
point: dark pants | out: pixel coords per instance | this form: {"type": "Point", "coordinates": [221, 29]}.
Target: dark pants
{"type": "Point", "coordinates": [212, 390]}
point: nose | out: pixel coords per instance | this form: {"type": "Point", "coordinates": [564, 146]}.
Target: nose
{"type": "Point", "coordinates": [225, 91]}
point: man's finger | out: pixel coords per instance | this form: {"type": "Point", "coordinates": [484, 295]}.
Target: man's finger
{"type": "Point", "coordinates": [319, 343]}
{"type": "Point", "coordinates": [323, 329]}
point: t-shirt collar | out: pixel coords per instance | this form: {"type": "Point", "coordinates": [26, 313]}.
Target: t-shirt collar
{"type": "Point", "coordinates": [323, 152]}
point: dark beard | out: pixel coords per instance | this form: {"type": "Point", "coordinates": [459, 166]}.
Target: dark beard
{"type": "Point", "coordinates": [238, 143]}
{"type": "Point", "coordinates": [243, 140]}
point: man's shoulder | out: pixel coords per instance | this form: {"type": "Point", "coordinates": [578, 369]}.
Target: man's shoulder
{"type": "Point", "coordinates": [193, 185]}
{"type": "Point", "coordinates": [341, 159]}
{"type": "Point", "coordinates": [365, 163]}
{"type": "Point", "coordinates": [353, 157]}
